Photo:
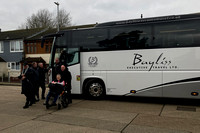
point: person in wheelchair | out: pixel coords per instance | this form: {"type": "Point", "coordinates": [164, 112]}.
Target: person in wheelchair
{"type": "Point", "coordinates": [56, 87]}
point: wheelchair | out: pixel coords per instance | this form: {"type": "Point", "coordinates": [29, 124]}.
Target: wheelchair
{"type": "Point", "coordinates": [59, 93]}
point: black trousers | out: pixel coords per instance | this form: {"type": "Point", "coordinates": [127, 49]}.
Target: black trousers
{"type": "Point", "coordinates": [69, 96]}
{"type": "Point", "coordinates": [36, 86]}
{"type": "Point", "coordinates": [29, 97]}
{"type": "Point", "coordinates": [36, 90]}
{"type": "Point", "coordinates": [42, 85]}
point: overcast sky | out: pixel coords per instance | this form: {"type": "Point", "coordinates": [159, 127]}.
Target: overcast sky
{"type": "Point", "coordinates": [14, 12]}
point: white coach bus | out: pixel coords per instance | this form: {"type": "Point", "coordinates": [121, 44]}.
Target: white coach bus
{"type": "Point", "coordinates": [153, 57]}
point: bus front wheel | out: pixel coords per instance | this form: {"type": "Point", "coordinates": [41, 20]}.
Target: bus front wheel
{"type": "Point", "coordinates": [94, 89]}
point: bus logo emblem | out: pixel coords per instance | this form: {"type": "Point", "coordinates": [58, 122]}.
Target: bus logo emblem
{"type": "Point", "coordinates": [93, 61]}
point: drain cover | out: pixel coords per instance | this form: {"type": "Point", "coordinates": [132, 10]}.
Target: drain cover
{"type": "Point", "coordinates": [181, 108]}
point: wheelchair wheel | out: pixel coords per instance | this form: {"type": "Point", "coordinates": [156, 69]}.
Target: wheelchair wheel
{"type": "Point", "coordinates": [59, 106]}
{"type": "Point", "coordinates": [64, 101]}
{"type": "Point", "coordinates": [65, 105]}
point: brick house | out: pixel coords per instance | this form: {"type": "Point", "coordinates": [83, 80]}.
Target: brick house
{"type": "Point", "coordinates": [32, 48]}
{"type": "Point", "coordinates": [25, 45]}
{"type": "Point", "coordinates": [12, 51]}
{"type": "Point", "coordinates": [32, 45]}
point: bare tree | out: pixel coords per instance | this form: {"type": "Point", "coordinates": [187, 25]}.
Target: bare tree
{"type": "Point", "coordinates": [44, 19]}
{"type": "Point", "coordinates": [64, 18]}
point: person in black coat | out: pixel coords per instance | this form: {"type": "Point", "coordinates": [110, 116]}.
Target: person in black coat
{"type": "Point", "coordinates": [66, 76]}
{"type": "Point", "coordinates": [57, 66]}
{"type": "Point", "coordinates": [27, 89]}
{"type": "Point", "coordinates": [34, 68]}
{"type": "Point", "coordinates": [63, 57]}
{"type": "Point", "coordinates": [42, 71]}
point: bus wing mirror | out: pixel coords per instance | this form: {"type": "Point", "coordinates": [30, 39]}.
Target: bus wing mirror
{"type": "Point", "coordinates": [50, 36]}
{"type": "Point", "coordinates": [42, 43]}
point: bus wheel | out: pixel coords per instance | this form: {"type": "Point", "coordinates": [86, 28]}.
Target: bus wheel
{"type": "Point", "coordinates": [94, 89]}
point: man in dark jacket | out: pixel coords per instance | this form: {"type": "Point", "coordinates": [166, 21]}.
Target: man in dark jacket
{"type": "Point", "coordinates": [63, 57]}
{"type": "Point", "coordinates": [66, 76]}
{"type": "Point", "coordinates": [34, 68]}
{"type": "Point", "coordinates": [27, 90]}
{"type": "Point", "coordinates": [42, 71]}
{"type": "Point", "coordinates": [56, 68]}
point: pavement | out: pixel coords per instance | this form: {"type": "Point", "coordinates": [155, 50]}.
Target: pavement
{"type": "Point", "coordinates": [112, 115]}
{"type": "Point", "coordinates": [10, 83]}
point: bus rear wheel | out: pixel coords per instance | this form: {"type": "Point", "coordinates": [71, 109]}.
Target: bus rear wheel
{"type": "Point", "coordinates": [94, 89]}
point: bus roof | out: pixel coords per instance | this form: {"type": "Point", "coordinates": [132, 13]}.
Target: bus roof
{"type": "Point", "coordinates": [149, 20]}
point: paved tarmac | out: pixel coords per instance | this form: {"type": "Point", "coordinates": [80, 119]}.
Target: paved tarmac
{"type": "Point", "coordinates": [105, 116]}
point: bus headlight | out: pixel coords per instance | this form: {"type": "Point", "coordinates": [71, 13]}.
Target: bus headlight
{"type": "Point", "coordinates": [194, 93]}
{"type": "Point", "coordinates": [133, 91]}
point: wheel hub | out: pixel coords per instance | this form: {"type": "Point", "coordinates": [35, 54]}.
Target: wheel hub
{"type": "Point", "coordinates": [95, 89]}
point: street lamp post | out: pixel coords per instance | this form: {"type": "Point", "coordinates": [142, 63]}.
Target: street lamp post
{"type": "Point", "coordinates": [57, 15]}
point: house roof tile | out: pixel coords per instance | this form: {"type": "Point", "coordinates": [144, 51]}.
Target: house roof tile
{"type": "Point", "coordinates": [18, 34]}
{"type": "Point", "coordinates": [2, 60]}
{"type": "Point", "coordinates": [35, 34]}
{"type": "Point", "coordinates": [52, 31]}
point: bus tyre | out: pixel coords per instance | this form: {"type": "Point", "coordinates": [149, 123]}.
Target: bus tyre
{"type": "Point", "coordinates": [94, 89]}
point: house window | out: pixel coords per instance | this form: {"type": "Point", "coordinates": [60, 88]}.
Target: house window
{"type": "Point", "coordinates": [28, 48]}
{"type": "Point", "coordinates": [17, 66]}
{"type": "Point", "coordinates": [16, 46]}
{"type": "Point", "coordinates": [14, 65]}
{"type": "Point", "coordinates": [9, 65]}
{"type": "Point", "coordinates": [1, 47]}
{"type": "Point", "coordinates": [35, 48]}
{"type": "Point", "coordinates": [31, 48]}
{"type": "Point", "coordinates": [47, 49]}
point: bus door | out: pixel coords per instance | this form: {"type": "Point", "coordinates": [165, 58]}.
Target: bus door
{"type": "Point", "coordinates": [73, 62]}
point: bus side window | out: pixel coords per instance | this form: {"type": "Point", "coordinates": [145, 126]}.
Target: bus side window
{"type": "Point", "coordinates": [72, 56]}
{"type": "Point", "coordinates": [177, 34]}
{"type": "Point", "coordinates": [128, 37]}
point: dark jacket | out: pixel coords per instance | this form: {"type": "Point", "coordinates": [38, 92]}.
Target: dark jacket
{"type": "Point", "coordinates": [42, 72]}
{"type": "Point", "coordinates": [63, 58]}
{"type": "Point", "coordinates": [57, 68]}
{"type": "Point", "coordinates": [26, 83]}
{"type": "Point", "coordinates": [35, 75]}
